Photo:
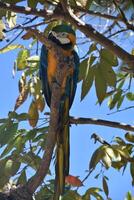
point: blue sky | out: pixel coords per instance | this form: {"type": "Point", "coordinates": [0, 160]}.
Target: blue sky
{"type": "Point", "coordinates": [82, 146]}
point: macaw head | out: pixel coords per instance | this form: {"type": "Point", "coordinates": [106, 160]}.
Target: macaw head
{"type": "Point", "coordinates": [64, 36]}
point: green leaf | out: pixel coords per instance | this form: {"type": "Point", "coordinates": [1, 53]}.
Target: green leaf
{"type": "Point", "coordinates": [72, 3]}
{"type": "Point", "coordinates": [2, 13]}
{"type": "Point", "coordinates": [39, 137]}
{"type": "Point", "coordinates": [71, 195]}
{"type": "Point", "coordinates": [2, 27]}
{"type": "Point", "coordinates": [121, 83]}
{"type": "Point", "coordinates": [110, 76]}
{"type": "Point", "coordinates": [82, 69]}
{"type": "Point", "coordinates": [22, 178]}
{"type": "Point", "coordinates": [85, 67]}
{"type": "Point", "coordinates": [115, 99]}
{"type": "Point", "coordinates": [105, 187]}
{"type": "Point", "coordinates": [22, 117]}
{"type": "Point", "coordinates": [31, 159]}
{"type": "Point", "coordinates": [96, 157]}
{"type": "Point", "coordinates": [33, 59]}
{"type": "Point", "coordinates": [107, 73]}
{"type": "Point", "coordinates": [3, 178]}
{"type": "Point", "coordinates": [120, 101]}
{"type": "Point", "coordinates": [2, 166]}
{"type": "Point", "coordinates": [7, 132]}
{"type": "Point", "coordinates": [119, 140]}
{"type": "Point", "coordinates": [107, 161]}
{"type": "Point", "coordinates": [92, 47]}
{"type": "Point", "coordinates": [11, 47]}
{"type": "Point", "coordinates": [122, 150]}
{"type": "Point", "coordinates": [11, 19]}
{"type": "Point", "coordinates": [130, 96]}
{"type": "Point", "coordinates": [94, 192]}
{"type": "Point", "coordinates": [100, 84]}
{"type": "Point", "coordinates": [32, 3]}
{"type": "Point", "coordinates": [31, 135]}
{"type": "Point", "coordinates": [44, 193]}
{"type": "Point", "coordinates": [110, 152]}
{"type": "Point", "coordinates": [87, 83]}
{"type": "Point", "coordinates": [19, 142]}
{"type": "Point", "coordinates": [8, 148]}
{"type": "Point", "coordinates": [88, 4]}
{"type": "Point", "coordinates": [4, 120]}
{"type": "Point", "coordinates": [108, 57]}
{"type": "Point", "coordinates": [132, 172]}
{"type": "Point", "coordinates": [12, 1]}
{"type": "Point", "coordinates": [22, 59]}
{"type": "Point", "coordinates": [129, 137]}
{"type": "Point", "coordinates": [129, 196]}
{"type": "Point", "coordinates": [117, 165]}
{"type": "Point", "coordinates": [11, 167]}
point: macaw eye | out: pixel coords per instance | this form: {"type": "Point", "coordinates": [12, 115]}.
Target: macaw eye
{"type": "Point", "coordinates": [63, 34]}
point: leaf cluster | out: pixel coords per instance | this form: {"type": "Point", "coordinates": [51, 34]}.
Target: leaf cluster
{"type": "Point", "coordinates": [22, 149]}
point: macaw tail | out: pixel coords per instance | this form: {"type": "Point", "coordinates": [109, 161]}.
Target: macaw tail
{"type": "Point", "coordinates": [63, 151]}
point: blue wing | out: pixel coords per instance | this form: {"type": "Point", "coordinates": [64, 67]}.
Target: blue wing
{"type": "Point", "coordinates": [72, 83]}
{"type": "Point", "coordinates": [75, 77]}
{"type": "Point", "coordinates": [43, 74]}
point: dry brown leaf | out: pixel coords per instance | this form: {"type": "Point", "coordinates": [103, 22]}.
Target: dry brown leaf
{"type": "Point", "coordinates": [27, 36]}
{"type": "Point", "coordinates": [40, 103]}
{"type": "Point", "coordinates": [22, 82]}
{"type": "Point", "coordinates": [33, 114]}
{"type": "Point", "coordinates": [22, 97]}
{"type": "Point", "coordinates": [73, 180]}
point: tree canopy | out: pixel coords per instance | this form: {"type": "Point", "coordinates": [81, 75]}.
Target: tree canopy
{"type": "Point", "coordinates": [106, 67]}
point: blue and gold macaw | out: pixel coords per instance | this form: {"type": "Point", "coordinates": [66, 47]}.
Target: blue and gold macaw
{"type": "Point", "coordinates": [64, 36]}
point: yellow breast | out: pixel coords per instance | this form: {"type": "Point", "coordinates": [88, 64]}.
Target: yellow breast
{"type": "Point", "coordinates": [52, 64]}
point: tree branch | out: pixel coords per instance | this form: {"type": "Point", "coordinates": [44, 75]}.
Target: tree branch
{"type": "Point", "coordinates": [98, 14]}
{"type": "Point", "coordinates": [101, 122]}
{"type": "Point", "coordinates": [129, 26]}
{"type": "Point", "coordinates": [24, 10]}
{"type": "Point", "coordinates": [90, 32]}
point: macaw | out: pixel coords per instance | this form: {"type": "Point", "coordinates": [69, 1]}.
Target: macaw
{"type": "Point", "coordinates": [64, 36]}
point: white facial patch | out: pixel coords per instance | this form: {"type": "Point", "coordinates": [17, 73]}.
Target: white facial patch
{"type": "Point", "coordinates": [62, 37]}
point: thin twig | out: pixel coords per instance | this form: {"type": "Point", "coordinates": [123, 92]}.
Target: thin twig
{"type": "Point", "coordinates": [88, 30]}
{"type": "Point", "coordinates": [25, 23]}
{"type": "Point", "coordinates": [12, 40]}
{"type": "Point", "coordinates": [120, 31]}
{"type": "Point", "coordinates": [24, 10]}
{"type": "Point", "coordinates": [124, 109]}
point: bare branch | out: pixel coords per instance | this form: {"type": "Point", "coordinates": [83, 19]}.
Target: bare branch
{"type": "Point", "coordinates": [129, 26]}
{"type": "Point", "coordinates": [23, 10]}
{"type": "Point", "coordinates": [15, 38]}
{"type": "Point", "coordinates": [98, 14]}
{"type": "Point", "coordinates": [120, 110]}
{"type": "Point", "coordinates": [116, 33]}
{"type": "Point", "coordinates": [90, 32]}
{"type": "Point", "coordinates": [101, 122]}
